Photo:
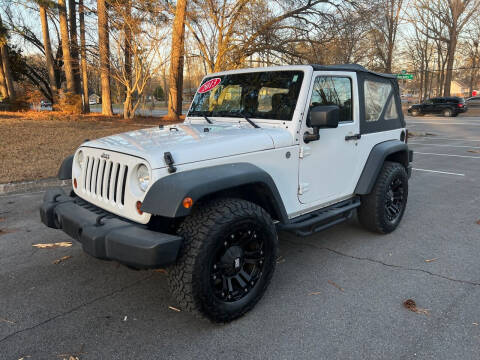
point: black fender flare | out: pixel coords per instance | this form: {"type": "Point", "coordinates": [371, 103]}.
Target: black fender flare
{"type": "Point", "coordinates": [166, 195]}
{"type": "Point", "coordinates": [65, 171]}
{"type": "Point", "coordinates": [376, 158]}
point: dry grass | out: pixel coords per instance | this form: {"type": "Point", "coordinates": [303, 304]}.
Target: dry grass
{"type": "Point", "coordinates": [33, 144]}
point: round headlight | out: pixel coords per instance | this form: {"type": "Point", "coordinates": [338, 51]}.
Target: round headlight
{"type": "Point", "coordinates": [80, 158]}
{"type": "Point", "coordinates": [143, 177]}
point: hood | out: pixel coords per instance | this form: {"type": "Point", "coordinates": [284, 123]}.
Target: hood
{"type": "Point", "coordinates": [193, 142]}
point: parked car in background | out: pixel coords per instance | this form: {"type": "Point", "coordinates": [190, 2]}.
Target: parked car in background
{"type": "Point", "coordinates": [447, 106]}
{"type": "Point", "coordinates": [45, 103]}
{"type": "Point", "coordinates": [474, 101]}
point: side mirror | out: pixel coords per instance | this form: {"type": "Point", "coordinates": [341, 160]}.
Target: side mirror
{"type": "Point", "coordinates": [321, 116]}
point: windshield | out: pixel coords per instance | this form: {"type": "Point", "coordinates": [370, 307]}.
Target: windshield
{"type": "Point", "coordinates": [260, 95]}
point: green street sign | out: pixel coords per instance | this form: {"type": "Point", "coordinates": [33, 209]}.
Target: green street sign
{"type": "Point", "coordinates": [405, 76]}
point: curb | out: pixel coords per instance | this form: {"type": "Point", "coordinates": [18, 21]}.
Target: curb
{"type": "Point", "coordinates": [28, 186]}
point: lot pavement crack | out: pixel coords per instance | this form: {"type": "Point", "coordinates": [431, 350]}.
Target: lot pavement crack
{"type": "Point", "coordinates": [114, 292]}
{"type": "Point", "coordinates": [400, 267]}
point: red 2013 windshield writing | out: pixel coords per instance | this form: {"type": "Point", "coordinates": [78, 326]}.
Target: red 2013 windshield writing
{"type": "Point", "coordinates": [209, 85]}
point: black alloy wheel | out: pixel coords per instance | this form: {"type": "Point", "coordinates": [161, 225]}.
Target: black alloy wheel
{"type": "Point", "coordinates": [227, 259]}
{"type": "Point", "coordinates": [238, 263]}
{"type": "Point", "coordinates": [382, 209]}
{"type": "Point", "coordinates": [394, 199]}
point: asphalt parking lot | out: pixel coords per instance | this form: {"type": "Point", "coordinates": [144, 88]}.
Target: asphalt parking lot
{"type": "Point", "coordinates": [335, 295]}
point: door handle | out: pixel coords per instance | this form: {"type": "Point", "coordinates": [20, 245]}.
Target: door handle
{"type": "Point", "coordinates": [353, 137]}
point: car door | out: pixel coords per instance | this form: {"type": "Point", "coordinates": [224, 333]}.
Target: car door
{"type": "Point", "coordinates": [439, 104]}
{"type": "Point", "coordinates": [327, 165]}
{"type": "Point", "coordinates": [427, 106]}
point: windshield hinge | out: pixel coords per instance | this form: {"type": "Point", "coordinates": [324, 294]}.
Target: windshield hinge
{"type": "Point", "coordinates": [304, 152]}
{"type": "Point", "coordinates": [167, 156]}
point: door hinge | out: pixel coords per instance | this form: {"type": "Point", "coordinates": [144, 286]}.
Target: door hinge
{"type": "Point", "coordinates": [303, 188]}
{"type": "Point", "coordinates": [304, 152]}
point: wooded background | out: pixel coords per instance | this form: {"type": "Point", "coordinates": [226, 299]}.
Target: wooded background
{"type": "Point", "coordinates": [133, 52]}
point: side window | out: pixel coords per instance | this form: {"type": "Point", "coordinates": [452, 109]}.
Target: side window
{"type": "Point", "coordinates": [376, 97]}
{"type": "Point", "coordinates": [334, 90]}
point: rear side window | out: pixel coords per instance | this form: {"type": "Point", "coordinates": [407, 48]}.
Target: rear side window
{"type": "Point", "coordinates": [379, 100]}
{"type": "Point", "coordinates": [334, 90]}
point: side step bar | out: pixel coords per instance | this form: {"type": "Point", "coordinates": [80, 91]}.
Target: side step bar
{"type": "Point", "coordinates": [321, 219]}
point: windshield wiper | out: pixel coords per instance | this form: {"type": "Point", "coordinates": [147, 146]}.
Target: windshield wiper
{"type": "Point", "coordinates": [250, 121]}
{"type": "Point", "coordinates": [208, 120]}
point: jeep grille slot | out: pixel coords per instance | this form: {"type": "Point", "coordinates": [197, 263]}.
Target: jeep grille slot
{"type": "Point", "coordinates": [105, 180]}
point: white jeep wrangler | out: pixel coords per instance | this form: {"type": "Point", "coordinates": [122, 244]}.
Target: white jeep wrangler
{"type": "Point", "coordinates": [291, 148]}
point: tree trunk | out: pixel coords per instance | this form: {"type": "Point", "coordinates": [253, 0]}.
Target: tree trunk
{"type": "Point", "coordinates": [176, 63]}
{"type": "Point", "coordinates": [72, 17]}
{"type": "Point", "coordinates": [3, 83]}
{"type": "Point", "coordinates": [104, 50]}
{"type": "Point", "coordinates": [7, 73]}
{"type": "Point", "coordinates": [452, 45]}
{"type": "Point", "coordinates": [48, 54]}
{"type": "Point", "coordinates": [473, 74]}
{"type": "Point", "coordinates": [67, 58]}
{"type": "Point", "coordinates": [83, 52]}
{"type": "Point", "coordinates": [127, 105]}
{"type": "Point", "coordinates": [128, 47]}
{"type": "Point", "coordinates": [165, 89]}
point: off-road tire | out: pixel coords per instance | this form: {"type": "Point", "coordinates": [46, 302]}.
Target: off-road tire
{"type": "Point", "coordinates": [372, 212]}
{"type": "Point", "coordinates": [447, 113]}
{"type": "Point", "coordinates": [203, 232]}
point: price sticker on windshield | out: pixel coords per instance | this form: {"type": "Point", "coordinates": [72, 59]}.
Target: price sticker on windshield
{"type": "Point", "coordinates": [209, 85]}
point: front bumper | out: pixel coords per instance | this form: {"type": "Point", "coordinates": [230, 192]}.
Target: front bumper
{"type": "Point", "coordinates": [107, 236]}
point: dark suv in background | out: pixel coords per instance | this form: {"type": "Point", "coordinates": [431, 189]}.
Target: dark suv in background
{"type": "Point", "coordinates": [447, 106]}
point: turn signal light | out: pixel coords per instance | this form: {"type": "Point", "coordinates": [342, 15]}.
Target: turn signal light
{"type": "Point", "coordinates": [75, 183]}
{"type": "Point", "coordinates": [138, 206]}
{"type": "Point", "coordinates": [187, 202]}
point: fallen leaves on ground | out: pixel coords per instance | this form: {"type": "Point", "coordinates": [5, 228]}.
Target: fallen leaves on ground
{"type": "Point", "coordinates": [412, 306]}
{"type": "Point", "coordinates": [174, 308]}
{"type": "Point", "coordinates": [430, 260]}
{"type": "Point", "coordinates": [478, 222]}
{"type": "Point", "coordinates": [53, 245]}
{"type": "Point", "coordinates": [315, 293]}
{"type": "Point", "coordinates": [474, 151]}
{"type": "Point", "coordinates": [35, 158]}
{"type": "Point", "coordinates": [63, 258]}
{"type": "Point", "coordinates": [336, 285]}
{"type": "Point", "coordinates": [163, 271]}
{"type": "Point", "coordinates": [2, 219]}
{"type": "Point", "coordinates": [8, 321]}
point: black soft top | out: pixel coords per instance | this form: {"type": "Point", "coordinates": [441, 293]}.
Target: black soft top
{"type": "Point", "coordinates": [350, 67]}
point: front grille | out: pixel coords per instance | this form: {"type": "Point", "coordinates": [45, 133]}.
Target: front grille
{"type": "Point", "coordinates": [105, 179]}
